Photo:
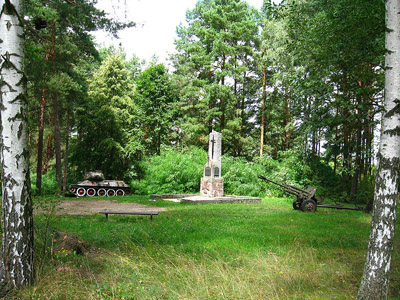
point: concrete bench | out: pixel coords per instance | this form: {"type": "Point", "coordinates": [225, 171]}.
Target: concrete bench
{"type": "Point", "coordinates": [145, 213]}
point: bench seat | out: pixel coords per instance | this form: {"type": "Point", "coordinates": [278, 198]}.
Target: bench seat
{"type": "Point", "coordinates": [113, 212]}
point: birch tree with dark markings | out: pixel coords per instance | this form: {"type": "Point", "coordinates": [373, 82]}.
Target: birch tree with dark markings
{"type": "Point", "coordinates": [375, 281]}
{"type": "Point", "coordinates": [17, 240]}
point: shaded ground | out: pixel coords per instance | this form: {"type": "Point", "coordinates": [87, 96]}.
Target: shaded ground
{"type": "Point", "coordinates": [89, 207]}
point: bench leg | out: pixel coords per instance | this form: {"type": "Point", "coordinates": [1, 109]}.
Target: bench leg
{"type": "Point", "coordinates": [106, 217]}
{"type": "Point", "coordinates": [151, 217]}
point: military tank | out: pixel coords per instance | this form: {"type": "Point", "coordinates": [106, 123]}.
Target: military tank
{"type": "Point", "coordinates": [95, 185]}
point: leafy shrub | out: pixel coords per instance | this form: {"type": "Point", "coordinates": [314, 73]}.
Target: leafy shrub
{"type": "Point", "coordinates": [240, 177]}
{"type": "Point", "coordinates": [180, 172]}
{"type": "Point", "coordinates": [310, 170]}
{"type": "Point", "coordinates": [49, 183]}
{"type": "Point", "coordinates": [365, 190]}
{"type": "Point", "coordinates": [171, 172]}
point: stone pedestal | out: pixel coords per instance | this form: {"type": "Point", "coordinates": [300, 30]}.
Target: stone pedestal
{"type": "Point", "coordinates": [212, 187]}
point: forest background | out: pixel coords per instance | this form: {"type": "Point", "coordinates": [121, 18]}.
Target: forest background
{"type": "Point", "coordinates": [296, 90]}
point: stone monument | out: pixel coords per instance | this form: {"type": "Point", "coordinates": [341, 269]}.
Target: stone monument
{"type": "Point", "coordinates": [212, 184]}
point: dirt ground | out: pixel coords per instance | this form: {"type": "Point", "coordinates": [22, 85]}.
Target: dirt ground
{"type": "Point", "coordinates": [89, 207]}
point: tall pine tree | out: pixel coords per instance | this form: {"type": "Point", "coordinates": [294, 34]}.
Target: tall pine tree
{"type": "Point", "coordinates": [214, 67]}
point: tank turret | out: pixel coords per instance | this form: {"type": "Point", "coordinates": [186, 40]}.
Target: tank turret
{"type": "Point", "coordinates": [95, 185]}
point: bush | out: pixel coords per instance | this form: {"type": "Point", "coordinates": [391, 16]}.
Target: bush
{"type": "Point", "coordinates": [175, 172]}
{"type": "Point", "coordinates": [240, 176]}
{"type": "Point", "coordinates": [171, 173]}
{"type": "Point", "coordinates": [49, 183]}
{"type": "Point", "coordinates": [180, 172]}
{"type": "Point", "coordinates": [310, 170]}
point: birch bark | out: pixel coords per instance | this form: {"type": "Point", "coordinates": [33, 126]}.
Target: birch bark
{"type": "Point", "coordinates": [375, 281]}
{"type": "Point", "coordinates": [16, 264]}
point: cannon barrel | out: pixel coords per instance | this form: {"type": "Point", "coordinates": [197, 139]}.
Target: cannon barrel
{"type": "Point", "coordinates": [294, 190]}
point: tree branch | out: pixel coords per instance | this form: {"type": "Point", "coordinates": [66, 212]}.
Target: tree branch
{"type": "Point", "coordinates": [70, 2]}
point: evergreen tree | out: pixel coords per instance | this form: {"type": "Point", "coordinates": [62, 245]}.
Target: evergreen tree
{"type": "Point", "coordinates": [279, 73]}
{"type": "Point", "coordinates": [58, 40]}
{"type": "Point", "coordinates": [214, 68]}
{"type": "Point", "coordinates": [156, 100]}
{"type": "Point", "coordinates": [107, 123]}
{"type": "Point", "coordinates": [337, 47]}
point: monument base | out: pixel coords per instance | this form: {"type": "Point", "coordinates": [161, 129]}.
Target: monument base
{"type": "Point", "coordinates": [212, 187]}
{"type": "Point", "coordinates": [196, 198]}
{"type": "Point", "coordinates": [225, 199]}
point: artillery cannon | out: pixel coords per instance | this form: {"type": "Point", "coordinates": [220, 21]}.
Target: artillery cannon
{"type": "Point", "coordinates": [95, 185]}
{"type": "Point", "coordinates": [305, 200]}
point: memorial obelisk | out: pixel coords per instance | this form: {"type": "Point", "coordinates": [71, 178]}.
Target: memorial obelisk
{"type": "Point", "coordinates": [212, 184]}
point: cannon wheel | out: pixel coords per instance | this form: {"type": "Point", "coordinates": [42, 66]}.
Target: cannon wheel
{"type": "Point", "coordinates": [296, 204]}
{"type": "Point", "coordinates": [309, 205]}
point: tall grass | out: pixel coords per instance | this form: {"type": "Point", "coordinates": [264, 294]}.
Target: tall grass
{"type": "Point", "coordinates": [221, 251]}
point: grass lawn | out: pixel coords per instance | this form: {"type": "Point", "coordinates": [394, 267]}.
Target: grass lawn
{"type": "Point", "coordinates": [211, 251]}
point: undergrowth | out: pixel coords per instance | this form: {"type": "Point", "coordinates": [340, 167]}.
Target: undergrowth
{"type": "Point", "coordinates": [214, 251]}
{"type": "Point", "coordinates": [175, 172]}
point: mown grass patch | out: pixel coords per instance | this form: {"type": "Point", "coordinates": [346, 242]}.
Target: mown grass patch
{"type": "Point", "coordinates": [212, 251]}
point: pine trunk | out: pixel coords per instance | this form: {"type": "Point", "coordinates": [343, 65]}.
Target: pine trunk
{"type": "Point", "coordinates": [16, 267]}
{"type": "Point", "coordinates": [264, 97]}
{"type": "Point", "coordinates": [346, 154]}
{"type": "Point", "coordinates": [65, 177]}
{"type": "Point", "coordinates": [287, 120]}
{"type": "Point", "coordinates": [57, 143]}
{"type": "Point", "coordinates": [354, 184]}
{"type": "Point", "coordinates": [222, 125]}
{"type": "Point", "coordinates": [49, 154]}
{"type": "Point", "coordinates": [375, 281]}
{"type": "Point", "coordinates": [56, 119]}
{"type": "Point", "coordinates": [39, 167]}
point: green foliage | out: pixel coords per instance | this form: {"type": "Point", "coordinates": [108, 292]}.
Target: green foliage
{"type": "Point", "coordinates": [323, 83]}
{"type": "Point", "coordinates": [109, 126]}
{"type": "Point", "coordinates": [156, 99]}
{"type": "Point", "coordinates": [49, 183]}
{"type": "Point", "coordinates": [215, 72]}
{"type": "Point", "coordinates": [291, 168]}
{"type": "Point", "coordinates": [340, 71]}
{"type": "Point", "coordinates": [180, 172]}
{"type": "Point", "coordinates": [171, 172]}
{"type": "Point", "coordinates": [59, 53]}
{"type": "Point", "coordinates": [240, 177]}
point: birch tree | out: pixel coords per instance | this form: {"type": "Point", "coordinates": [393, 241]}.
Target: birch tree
{"type": "Point", "coordinates": [17, 240]}
{"type": "Point", "coordinates": [375, 281]}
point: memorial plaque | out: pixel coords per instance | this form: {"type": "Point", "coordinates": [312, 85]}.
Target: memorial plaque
{"type": "Point", "coordinates": [216, 172]}
{"type": "Point", "coordinates": [207, 172]}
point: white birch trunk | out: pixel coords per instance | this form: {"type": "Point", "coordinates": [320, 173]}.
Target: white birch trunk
{"type": "Point", "coordinates": [375, 281]}
{"type": "Point", "coordinates": [17, 240]}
